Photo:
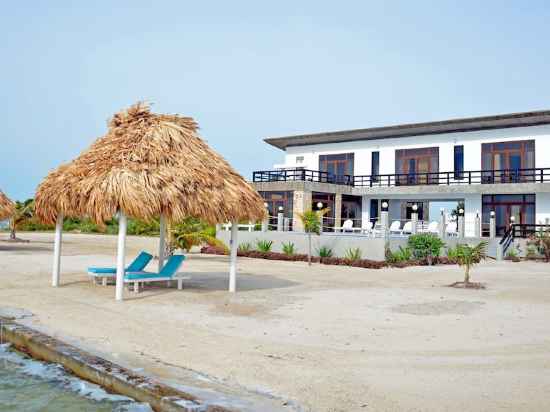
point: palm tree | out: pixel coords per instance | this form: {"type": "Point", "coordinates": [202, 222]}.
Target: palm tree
{"type": "Point", "coordinates": [467, 256]}
{"type": "Point", "coordinates": [192, 232]}
{"type": "Point", "coordinates": [311, 221]}
{"type": "Point", "coordinates": [23, 212]}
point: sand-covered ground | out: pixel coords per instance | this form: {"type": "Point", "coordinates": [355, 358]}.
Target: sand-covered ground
{"type": "Point", "coordinates": [320, 338]}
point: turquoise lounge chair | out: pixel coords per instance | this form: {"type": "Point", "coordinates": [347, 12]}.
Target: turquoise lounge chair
{"type": "Point", "coordinates": [139, 263]}
{"type": "Point", "coordinates": [168, 273]}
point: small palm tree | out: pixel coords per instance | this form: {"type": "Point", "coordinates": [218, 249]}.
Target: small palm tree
{"type": "Point", "coordinates": [23, 212]}
{"type": "Point", "coordinates": [192, 232]}
{"type": "Point", "coordinates": [311, 221]}
{"type": "Point", "coordinates": [467, 256]}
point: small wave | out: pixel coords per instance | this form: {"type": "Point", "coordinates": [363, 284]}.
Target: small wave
{"type": "Point", "coordinates": [58, 375]}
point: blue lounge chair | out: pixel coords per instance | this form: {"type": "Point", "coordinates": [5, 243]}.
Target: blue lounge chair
{"type": "Point", "coordinates": [139, 263]}
{"type": "Point", "coordinates": [168, 273]}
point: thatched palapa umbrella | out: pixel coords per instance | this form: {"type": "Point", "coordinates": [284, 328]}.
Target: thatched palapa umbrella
{"type": "Point", "coordinates": [146, 166]}
{"type": "Point", "coordinates": [7, 208]}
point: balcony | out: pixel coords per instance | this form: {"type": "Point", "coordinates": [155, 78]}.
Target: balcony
{"type": "Point", "coordinates": [536, 175]}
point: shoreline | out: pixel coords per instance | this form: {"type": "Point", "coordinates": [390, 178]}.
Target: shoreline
{"type": "Point", "coordinates": [111, 377]}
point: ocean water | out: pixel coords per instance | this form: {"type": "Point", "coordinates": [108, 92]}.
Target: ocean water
{"type": "Point", "coordinates": [32, 386]}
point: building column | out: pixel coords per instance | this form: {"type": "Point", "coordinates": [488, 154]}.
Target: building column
{"type": "Point", "coordinates": [338, 210]}
{"type": "Point", "coordinates": [472, 206]}
{"type": "Point", "coordinates": [301, 202]}
{"type": "Point", "coordinates": [365, 211]}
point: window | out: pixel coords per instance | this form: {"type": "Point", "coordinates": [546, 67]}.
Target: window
{"type": "Point", "coordinates": [459, 162]}
{"type": "Point", "coordinates": [375, 166]}
{"type": "Point", "coordinates": [336, 167]}
{"type": "Point", "coordinates": [505, 162]}
{"type": "Point", "coordinates": [417, 166]}
{"type": "Point", "coordinates": [299, 160]}
{"type": "Point", "coordinates": [522, 207]}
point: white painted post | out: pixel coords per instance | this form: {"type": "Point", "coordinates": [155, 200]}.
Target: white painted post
{"type": "Point", "coordinates": [251, 225]}
{"type": "Point", "coordinates": [121, 255]}
{"type": "Point", "coordinates": [384, 222]}
{"type": "Point", "coordinates": [414, 219]}
{"type": "Point", "coordinates": [492, 226]}
{"type": "Point", "coordinates": [265, 225]}
{"type": "Point", "coordinates": [57, 250]}
{"type": "Point", "coordinates": [233, 244]}
{"type": "Point", "coordinates": [218, 227]}
{"type": "Point", "coordinates": [442, 224]}
{"type": "Point", "coordinates": [280, 221]}
{"type": "Point", "coordinates": [286, 224]}
{"type": "Point", "coordinates": [162, 242]}
{"type": "Point", "coordinates": [477, 229]}
{"type": "Point", "coordinates": [460, 221]}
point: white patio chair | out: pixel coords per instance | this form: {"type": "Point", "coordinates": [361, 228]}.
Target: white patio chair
{"type": "Point", "coordinates": [367, 229]}
{"type": "Point", "coordinates": [433, 228]}
{"type": "Point", "coordinates": [395, 227]}
{"type": "Point", "coordinates": [450, 229]}
{"type": "Point", "coordinates": [407, 228]}
{"type": "Point", "coordinates": [347, 226]}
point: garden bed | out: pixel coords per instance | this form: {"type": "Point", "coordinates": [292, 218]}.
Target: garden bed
{"type": "Point", "coordinates": [362, 263]}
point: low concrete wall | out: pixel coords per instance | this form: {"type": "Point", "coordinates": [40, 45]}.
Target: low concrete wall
{"type": "Point", "coordinates": [371, 248]}
{"type": "Point", "coordinates": [108, 375]}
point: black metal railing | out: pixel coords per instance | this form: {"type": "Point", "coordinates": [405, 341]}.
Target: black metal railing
{"type": "Point", "coordinates": [303, 175]}
{"type": "Point", "coordinates": [520, 230]}
{"type": "Point", "coordinates": [534, 175]}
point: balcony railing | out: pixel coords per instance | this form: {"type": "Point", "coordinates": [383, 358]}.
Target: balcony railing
{"type": "Point", "coordinates": [535, 175]}
{"type": "Point", "coordinates": [301, 175]}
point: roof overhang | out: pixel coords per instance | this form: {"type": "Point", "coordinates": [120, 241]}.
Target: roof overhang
{"type": "Point", "coordinates": [503, 121]}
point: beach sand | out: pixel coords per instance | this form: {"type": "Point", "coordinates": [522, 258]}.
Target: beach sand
{"type": "Point", "coordinates": [319, 338]}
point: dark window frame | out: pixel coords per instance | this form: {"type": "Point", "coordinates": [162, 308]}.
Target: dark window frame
{"type": "Point", "coordinates": [375, 161]}
{"type": "Point", "coordinates": [458, 166]}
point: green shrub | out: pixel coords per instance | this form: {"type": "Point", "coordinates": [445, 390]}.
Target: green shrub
{"type": "Point", "coordinates": [264, 245]}
{"type": "Point", "coordinates": [289, 249]}
{"type": "Point", "coordinates": [353, 254]}
{"type": "Point", "coordinates": [400, 255]}
{"type": "Point", "coordinates": [425, 246]}
{"type": "Point", "coordinates": [324, 252]}
{"type": "Point", "coordinates": [245, 247]}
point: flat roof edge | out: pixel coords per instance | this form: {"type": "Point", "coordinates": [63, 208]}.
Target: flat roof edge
{"type": "Point", "coordinates": [524, 119]}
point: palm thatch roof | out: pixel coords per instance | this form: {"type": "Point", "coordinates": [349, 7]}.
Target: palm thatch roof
{"type": "Point", "coordinates": [147, 165]}
{"type": "Point", "coordinates": [6, 206]}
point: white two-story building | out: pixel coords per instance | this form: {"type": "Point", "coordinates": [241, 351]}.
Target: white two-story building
{"type": "Point", "coordinates": [497, 164]}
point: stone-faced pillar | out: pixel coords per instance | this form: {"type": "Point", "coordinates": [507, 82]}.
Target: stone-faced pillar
{"type": "Point", "coordinates": [338, 210]}
{"type": "Point", "coordinates": [301, 202]}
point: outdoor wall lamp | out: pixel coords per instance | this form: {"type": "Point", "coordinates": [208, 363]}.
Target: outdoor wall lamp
{"type": "Point", "coordinates": [319, 205]}
{"type": "Point", "coordinates": [385, 206]}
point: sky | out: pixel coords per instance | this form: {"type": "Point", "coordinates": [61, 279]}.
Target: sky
{"type": "Point", "coordinates": [247, 70]}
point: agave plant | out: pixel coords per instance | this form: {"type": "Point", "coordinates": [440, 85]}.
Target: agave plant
{"type": "Point", "coordinates": [289, 248]}
{"type": "Point", "coordinates": [353, 254]}
{"type": "Point", "coordinates": [264, 245]}
{"type": "Point", "coordinates": [245, 247]}
{"type": "Point", "coordinates": [325, 252]}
